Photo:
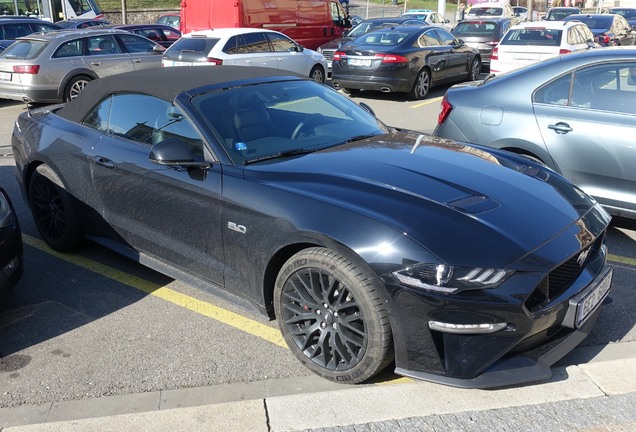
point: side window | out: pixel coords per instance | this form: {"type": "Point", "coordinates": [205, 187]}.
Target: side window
{"type": "Point", "coordinates": [428, 39]}
{"type": "Point", "coordinates": [251, 43]}
{"type": "Point", "coordinates": [135, 44]}
{"type": "Point", "coordinates": [445, 37]}
{"type": "Point", "coordinates": [573, 36]}
{"type": "Point", "coordinates": [587, 33]}
{"type": "Point", "coordinates": [555, 93]}
{"type": "Point", "coordinates": [72, 48]}
{"type": "Point", "coordinates": [170, 35]}
{"type": "Point", "coordinates": [102, 45]}
{"type": "Point", "coordinates": [12, 31]}
{"type": "Point", "coordinates": [40, 27]}
{"type": "Point", "coordinates": [98, 117]}
{"type": "Point", "coordinates": [231, 46]}
{"type": "Point", "coordinates": [281, 43]}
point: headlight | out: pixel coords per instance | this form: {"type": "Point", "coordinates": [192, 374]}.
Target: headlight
{"type": "Point", "coordinates": [6, 214]}
{"type": "Point", "coordinates": [449, 279]}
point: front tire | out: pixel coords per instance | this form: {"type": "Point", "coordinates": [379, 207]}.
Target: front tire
{"type": "Point", "coordinates": [422, 85]}
{"type": "Point", "coordinates": [54, 211]}
{"type": "Point", "coordinates": [332, 316]}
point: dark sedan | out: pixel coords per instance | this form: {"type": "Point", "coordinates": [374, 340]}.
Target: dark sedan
{"type": "Point", "coordinates": [163, 35]}
{"type": "Point", "coordinates": [483, 34]}
{"type": "Point", "coordinates": [407, 59]}
{"type": "Point", "coordinates": [575, 113]}
{"type": "Point", "coordinates": [608, 29]}
{"type": "Point", "coordinates": [367, 243]}
{"type": "Point", "coordinates": [10, 246]}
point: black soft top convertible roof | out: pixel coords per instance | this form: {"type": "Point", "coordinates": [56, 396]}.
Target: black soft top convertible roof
{"type": "Point", "coordinates": [164, 83]}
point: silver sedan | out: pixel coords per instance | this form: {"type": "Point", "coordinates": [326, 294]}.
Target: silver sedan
{"type": "Point", "coordinates": [55, 66]}
{"type": "Point", "coordinates": [576, 113]}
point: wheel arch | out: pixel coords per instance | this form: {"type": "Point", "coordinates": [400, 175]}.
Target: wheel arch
{"type": "Point", "coordinates": [530, 150]}
{"type": "Point", "coordinates": [321, 67]}
{"type": "Point", "coordinates": [74, 74]}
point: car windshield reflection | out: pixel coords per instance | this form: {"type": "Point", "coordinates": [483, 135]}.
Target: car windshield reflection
{"type": "Point", "coordinates": [282, 119]}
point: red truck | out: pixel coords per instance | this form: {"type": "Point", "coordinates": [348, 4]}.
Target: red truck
{"type": "Point", "coordinates": [311, 23]}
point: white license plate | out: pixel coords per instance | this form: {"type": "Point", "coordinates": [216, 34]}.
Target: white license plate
{"type": "Point", "coordinates": [589, 303]}
{"type": "Point", "coordinates": [360, 62]}
{"type": "Point", "coordinates": [5, 76]}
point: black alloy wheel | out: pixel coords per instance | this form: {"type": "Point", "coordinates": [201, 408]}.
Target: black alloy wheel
{"type": "Point", "coordinates": [422, 85]}
{"type": "Point", "coordinates": [475, 69]}
{"type": "Point", "coordinates": [53, 210]}
{"type": "Point", "coordinates": [332, 317]}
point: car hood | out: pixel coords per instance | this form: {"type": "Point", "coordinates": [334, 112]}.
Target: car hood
{"type": "Point", "coordinates": [441, 193]}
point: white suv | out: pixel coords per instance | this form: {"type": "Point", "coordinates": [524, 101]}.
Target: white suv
{"type": "Point", "coordinates": [245, 47]}
{"type": "Point", "coordinates": [491, 10]}
{"type": "Point", "coordinates": [531, 42]}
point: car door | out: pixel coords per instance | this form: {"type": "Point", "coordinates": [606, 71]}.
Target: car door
{"type": "Point", "coordinates": [250, 49]}
{"type": "Point", "coordinates": [589, 130]}
{"type": "Point", "coordinates": [457, 56]}
{"type": "Point", "coordinates": [288, 54]}
{"type": "Point", "coordinates": [105, 57]}
{"type": "Point", "coordinates": [143, 53]}
{"type": "Point", "coordinates": [168, 213]}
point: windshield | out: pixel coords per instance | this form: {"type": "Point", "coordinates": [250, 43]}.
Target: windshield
{"type": "Point", "coordinates": [24, 49]}
{"type": "Point", "coordinates": [474, 29]}
{"type": "Point", "coordinates": [260, 121]}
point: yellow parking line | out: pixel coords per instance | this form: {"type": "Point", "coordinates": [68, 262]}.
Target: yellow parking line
{"type": "Point", "coordinates": [426, 102]}
{"type": "Point", "coordinates": [622, 259]}
{"type": "Point", "coordinates": [231, 319]}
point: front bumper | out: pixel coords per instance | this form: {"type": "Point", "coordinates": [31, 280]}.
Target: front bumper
{"type": "Point", "coordinates": [544, 315]}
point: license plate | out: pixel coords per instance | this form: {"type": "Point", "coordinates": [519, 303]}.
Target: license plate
{"type": "Point", "coordinates": [585, 307]}
{"type": "Point", "coordinates": [360, 62]}
{"type": "Point", "coordinates": [5, 76]}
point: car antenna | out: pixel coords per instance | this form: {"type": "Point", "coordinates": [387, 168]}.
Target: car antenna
{"type": "Point", "coordinates": [417, 143]}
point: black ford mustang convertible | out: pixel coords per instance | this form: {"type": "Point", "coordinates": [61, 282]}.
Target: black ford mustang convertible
{"type": "Point", "coordinates": [368, 244]}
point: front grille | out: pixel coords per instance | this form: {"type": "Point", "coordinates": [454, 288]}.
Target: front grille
{"type": "Point", "coordinates": [560, 278]}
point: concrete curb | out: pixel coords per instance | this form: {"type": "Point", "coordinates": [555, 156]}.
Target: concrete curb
{"type": "Point", "coordinates": [275, 405]}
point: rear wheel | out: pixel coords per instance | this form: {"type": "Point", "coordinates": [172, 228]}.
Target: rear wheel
{"type": "Point", "coordinates": [317, 74]}
{"type": "Point", "coordinates": [332, 316]}
{"type": "Point", "coordinates": [422, 85]}
{"type": "Point", "coordinates": [54, 211]}
{"type": "Point", "coordinates": [475, 69]}
{"type": "Point", "coordinates": [75, 87]}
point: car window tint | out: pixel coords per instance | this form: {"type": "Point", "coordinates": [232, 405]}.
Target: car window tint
{"type": "Point", "coordinates": [250, 43]}
{"type": "Point", "coordinates": [445, 37]}
{"type": "Point", "coordinates": [555, 93]}
{"type": "Point", "coordinates": [171, 35]}
{"type": "Point", "coordinates": [70, 49]}
{"type": "Point", "coordinates": [474, 29]}
{"type": "Point", "coordinates": [611, 87]}
{"type": "Point", "coordinates": [24, 49]}
{"type": "Point", "coordinates": [281, 43]}
{"type": "Point", "coordinates": [544, 37]}
{"type": "Point", "coordinates": [12, 31]}
{"type": "Point", "coordinates": [41, 27]}
{"type": "Point", "coordinates": [102, 45]}
{"type": "Point", "coordinates": [428, 39]}
{"type": "Point", "coordinates": [97, 118]}
{"type": "Point", "coordinates": [136, 44]}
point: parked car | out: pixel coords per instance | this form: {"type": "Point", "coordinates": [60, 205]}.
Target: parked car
{"type": "Point", "coordinates": [13, 28]}
{"type": "Point", "coordinates": [483, 34]}
{"type": "Point", "coordinates": [329, 49]}
{"type": "Point", "coordinates": [56, 66]}
{"type": "Point", "coordinates": [409, 59]}
{"type": "Point", "coordinates": [491, 10]}
{"type": "Point", "coordinates": [170, 19]}
{"type": "Point", "coordinates": [367, 243]}
{"type": "Point", "coordinates": [522, 13]}
{"type": "Point", "coordinates": [628, 13]}
{"type": "Point", "coordinates": [574, 113]}
{"type": "Point", "coordinates": [608, 29]}
{"type": "Point", "coordinates": [558, 13]}
{"type": "Point", "coordinates": [429, 17]}
{"type": "Point", "coordinates": [10, 246]}
{"type": "Point", "coordinates": [164, 35]}
{"type": "Point", "coordinates": [82, 23]}
{"type": "Point", "coordinates": [531, 42]}
{"type": "Point", "coordinates": [245, 47]}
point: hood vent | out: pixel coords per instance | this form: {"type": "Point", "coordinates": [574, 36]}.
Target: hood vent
{"type": "Point", "coordinates": [474, 204]}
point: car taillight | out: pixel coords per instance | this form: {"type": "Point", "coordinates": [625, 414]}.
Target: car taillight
{"type": "Point", "coordinates": [495, 54]}
{"type": "Point", "coordinates": [444, 111]}
{"type": "Point", "coordinates": [338, 55]}
{"type": "Point", "coordinates": [26, 69]}
{"type": "Point", "coordinates": [392, 58]}
{"type": "Point", "coordinates": [214, 61]}
{"type": "Point", "coordinates": [564, 51]}
{"type": "Point", "coordinates": [492, 43]}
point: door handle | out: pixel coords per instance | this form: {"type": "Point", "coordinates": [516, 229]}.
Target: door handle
{"type": "Point", "coordinates": [560, 128]}
{"type": "Point", "coordinates": [102, 161]}
{"type": "Point", "coordinates": [96, 63]}
{"type": "Point", "coordinates": [137, 60]}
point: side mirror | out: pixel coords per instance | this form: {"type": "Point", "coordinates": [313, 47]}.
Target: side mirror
{"type": "Point", "coordinates": [175, 152]}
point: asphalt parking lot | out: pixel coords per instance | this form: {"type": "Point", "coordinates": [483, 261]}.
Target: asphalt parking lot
{"type": "Point", "coordinates": [91, 334]}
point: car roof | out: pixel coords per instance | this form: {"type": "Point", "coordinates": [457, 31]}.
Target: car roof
{"type": "Point", "coordinates": [485, 20]}
{"type": "Point", "coordinates": [65, 34]}
{"type": "Point", "coordinates": [166, 84]}
{"type": "Point", "coordinates": [224, 32]}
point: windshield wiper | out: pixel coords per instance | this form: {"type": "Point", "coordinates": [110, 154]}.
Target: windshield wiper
{"type": "Point", "coordinates": [287, 153]}
{"type": "Point", "coordinates": [359, 137]}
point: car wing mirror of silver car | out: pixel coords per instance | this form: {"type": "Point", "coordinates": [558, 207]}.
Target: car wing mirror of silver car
{"type": "Point", "coordinates": [175, 152]}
